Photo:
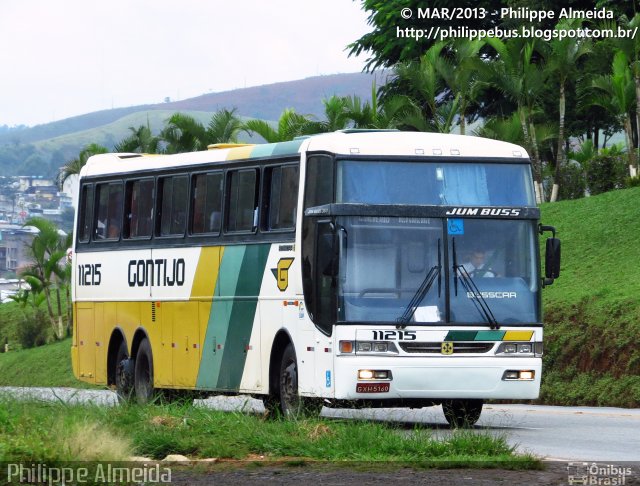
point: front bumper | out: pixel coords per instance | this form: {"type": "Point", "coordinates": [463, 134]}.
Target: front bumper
{"type": "Point", "coordinates": [439, 377]}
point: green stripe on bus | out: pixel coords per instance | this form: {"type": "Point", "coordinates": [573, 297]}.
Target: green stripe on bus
{"type": "Point", "coordinates": [219, 317]}
{"type": "Point", "coordinates": [490, 335]}
{"type": "Point", "coordinates": [461, 336]}
{"type": "Point", "coordinates": [475, 335]}
{"type": "Point", "coordinates": [264, 150]}
{"type": "Point", "coordinates": [242, 316]}
{"type": "Point", "coordinates": [285, 148]}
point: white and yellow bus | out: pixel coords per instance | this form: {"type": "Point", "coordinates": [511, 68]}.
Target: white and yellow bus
{"type": "Point", "coordinates": [378, 267]}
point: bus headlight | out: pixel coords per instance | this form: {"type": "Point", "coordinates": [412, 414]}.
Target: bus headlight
{"type": "Point", "coordinates": [519, 375]}
{"type": "Point", "coordinates": [367, 347]}
{"type": "Point", "coordinates": [519, 349]}
{"type": "Point", "coordinates": [374, 375]}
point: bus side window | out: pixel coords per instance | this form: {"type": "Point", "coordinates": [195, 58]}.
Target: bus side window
{"type": "Point", "coordinates": [242, 199]}
{"type": "Point", "coordinates": [108, 219]}
{"type": "Point", "coordinates": [173, 194]}
{"type": "Point", "coordinates": [207, 203]}
{"type": "Point", "coordinates": [86, 213]}
{"type": "Point", "coordinates": [282, 197]}
{"type": "Point", "coordinates": [139, 209]}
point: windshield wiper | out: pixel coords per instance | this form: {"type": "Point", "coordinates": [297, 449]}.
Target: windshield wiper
{"type": "Point", "coordinates": [478, 299]}
{"type": "Point", "coordinates": [425, 286]}
{"type": "Point", "coordinates": [472, 290]}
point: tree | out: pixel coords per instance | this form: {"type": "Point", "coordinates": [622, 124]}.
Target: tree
{"type": "Point", "coordinates": [616, 93]}
{"type": "Point", "coordinates": [183, 133]}
{"type": "Point", "coordinates": [141, 140]}
{"type": "Point", "coordinates": [392, 41]}
{"type": "Point", "coordinates": [46, 251]}
{"type": "Point", "coordinates": [75, 165]}
{"type": "Point", "coordinates": [423, 83]}
{"type": "Point", "coordinates": [563, 56]}
{"type": "Point", "coordinates": [460, 71]}
{"type": "Point", "coordinates": [515, 74]}
{"type": "Point", "coordinates": [290, 125]}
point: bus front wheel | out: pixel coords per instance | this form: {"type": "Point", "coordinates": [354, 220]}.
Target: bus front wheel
{"type": "Point", "coordinates": [287, 402]}
{"type": "Point", "coordinates": [462, 413]}
{"type": "Point", "coordinates": [144, 373]}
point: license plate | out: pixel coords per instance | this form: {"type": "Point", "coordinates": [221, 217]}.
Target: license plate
{"type": "Point", "coordinates": [372, 387]}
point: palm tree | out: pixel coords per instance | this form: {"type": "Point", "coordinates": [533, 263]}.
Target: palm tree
{"type": "Point", "coordinates": [335, 113]}
{"type": "Point", "coordinates": [290, 125]}
{"type": "Point", "coordinates": [141, 140]}
{"type": "Point", "coordinates": [223, 127]}
{"type": "Point", "coordinates": [395, 111]}
{"type": "Point", "coordinates": [75, 165]}
{"type": "Point", "coordinates": [460, 71]}
{"type": "Point", "coordinates": [521, 80]}
{"type": "Point", "coordinates": [616, 93]}
{"type": "Point", "coordinates": [183, 133]}
{"type": "Point", "coordinates": [47, 255]}
{"type": "Point", "coordinates": [564, 54]}
{"type": "Point", "coordinates": [425, 87]}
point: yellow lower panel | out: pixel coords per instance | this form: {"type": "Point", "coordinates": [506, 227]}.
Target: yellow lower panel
{"type": "Point", "coordinates": [176, 333]}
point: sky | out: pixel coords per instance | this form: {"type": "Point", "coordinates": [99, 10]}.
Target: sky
{"type": "Point", "coordinates": [60, 58]}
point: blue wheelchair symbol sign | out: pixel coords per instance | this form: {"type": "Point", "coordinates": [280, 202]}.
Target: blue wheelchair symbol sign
{"type": "Point", "coordinates": [455, 226]}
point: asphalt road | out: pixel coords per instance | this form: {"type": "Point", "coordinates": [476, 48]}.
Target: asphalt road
{"type": "Point", "coordinates": [562, 433]}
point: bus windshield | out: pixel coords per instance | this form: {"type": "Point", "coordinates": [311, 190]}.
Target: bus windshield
{"type": "Point", "coordinates": [394, 269]}
{"type": "Point", "coordinates": [436, 183]}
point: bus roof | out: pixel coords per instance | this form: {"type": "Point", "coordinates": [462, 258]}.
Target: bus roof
{"type": "Point", "coordinates": [346, 142]}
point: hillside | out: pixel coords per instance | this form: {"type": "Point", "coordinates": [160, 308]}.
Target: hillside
{"type": "Point", "coordinates": [593, 311]}
{"type": "Point", "coordinates": [264, 102]}
{"type": "Point", "coordinates": [42, 149]}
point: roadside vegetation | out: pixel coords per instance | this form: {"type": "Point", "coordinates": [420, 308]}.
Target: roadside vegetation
{"type": "Point", "coordinates": [592, 313]}
{"type": "Point", "coordinates": [58, 432]}
{"type": "Point", "coordinates": [48, 366]}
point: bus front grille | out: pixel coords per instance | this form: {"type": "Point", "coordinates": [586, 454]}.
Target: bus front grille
{"type": "Point", "coordinates": [436, 348]}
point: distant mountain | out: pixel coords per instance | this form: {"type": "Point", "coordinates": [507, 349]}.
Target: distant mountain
{"type": "Point", "coordinates": [42, 149]}
{"type": "Point", "coordinates": [265, 102]}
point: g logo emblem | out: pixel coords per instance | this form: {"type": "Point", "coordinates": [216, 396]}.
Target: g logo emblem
{"type": "Point", "coordinates": [446, 348]}
{"type": "Point", "coordinates": [281, 273]}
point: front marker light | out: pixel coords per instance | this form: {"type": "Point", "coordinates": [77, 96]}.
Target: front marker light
{"type": "Point", "coordinates": [346, 347]}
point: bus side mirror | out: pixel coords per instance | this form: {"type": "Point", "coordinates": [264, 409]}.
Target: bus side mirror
{"type": "Point", "coordinates": [552, 260]}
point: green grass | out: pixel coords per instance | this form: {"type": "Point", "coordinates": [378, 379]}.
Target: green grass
{"type": "Point", "coordinates": [592, 313]}
{"type": "Point", "coordinates": [56, 432]}
{"type": "Point", "coordinates": [48, 365]}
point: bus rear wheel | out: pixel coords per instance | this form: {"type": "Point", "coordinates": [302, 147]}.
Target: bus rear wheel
{"type": "Point", "coordinates": [144, 389]}
{"type": "Point", "coordinates": [462, 413]}
{"type": "Point", "coordinates": [125, 374]}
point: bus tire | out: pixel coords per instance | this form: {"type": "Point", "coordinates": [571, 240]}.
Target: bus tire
{"type": "Point", "coordinates": [288, 403]}
{"type": "Point", "coordinates": [125, 374]}
{"type": "Point", "coordinates": [462, 413]}
{"type": "Point", "coordinates": [144, 389]}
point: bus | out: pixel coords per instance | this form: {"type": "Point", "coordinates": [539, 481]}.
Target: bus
{"type": "Point", "coordinates": [377, 268]}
